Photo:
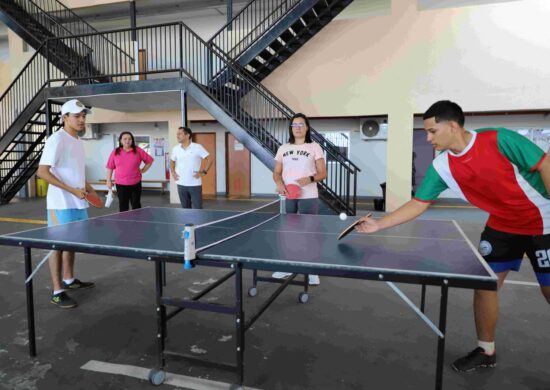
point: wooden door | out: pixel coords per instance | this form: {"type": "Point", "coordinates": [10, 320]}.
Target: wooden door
{"type": "Point", "coordinates": [208, 141]}
{"type": "Point", "coordinates": [237, 166]}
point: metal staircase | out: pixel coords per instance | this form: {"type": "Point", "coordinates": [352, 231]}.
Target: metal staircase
{"type": "Point", "coordinates": [266, 33]}
{"type": "Point", "coordinates": [19, 161]}
{"type": "Point", "coordinates": [228, 92]}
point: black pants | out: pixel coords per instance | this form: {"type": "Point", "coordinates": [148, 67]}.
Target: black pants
{"type": "Point", "coordinates": [190, 196]}
{"type": "Point", "coordinates": [129, 194]}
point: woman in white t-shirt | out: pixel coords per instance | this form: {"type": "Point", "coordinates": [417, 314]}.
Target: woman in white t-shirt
{"type": "Point", "coordinates": [301, 161]}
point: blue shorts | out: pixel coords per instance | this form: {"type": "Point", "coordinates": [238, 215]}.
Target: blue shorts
{"type": "Point", "coordinates": [63, 216]}
{"type": "Point", "coordinates": [504, 252]}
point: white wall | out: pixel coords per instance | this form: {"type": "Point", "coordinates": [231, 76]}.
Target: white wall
{"type": "Point", "coordinates": [507, 121]}
{"type": "Point", "coordinates": [98, 150]}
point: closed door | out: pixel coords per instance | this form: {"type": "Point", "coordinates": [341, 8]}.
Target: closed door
{"type": "Point", "coordinates": [237, 167]}
{"type": "Point", "coordinates": [208, 141]}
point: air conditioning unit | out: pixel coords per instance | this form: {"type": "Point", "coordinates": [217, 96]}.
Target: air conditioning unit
{"type": "Point", "coordinates": [373, 130]}
{"type": "Point", "coordinates": [91, 131]}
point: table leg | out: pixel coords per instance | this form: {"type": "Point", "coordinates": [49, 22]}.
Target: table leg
{"type": "Point", "coordinates": [161, 315]}
{"type": "Point", "coordinates": [30, 303]}
{"type": "Point", "coordinates": [441, 340]}
{"type": "Point", "coordinates": [239, 321]}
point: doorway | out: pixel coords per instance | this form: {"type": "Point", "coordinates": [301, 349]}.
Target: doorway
{"type": "Point", "coordinates": [237, 163]}
{"type": "Point", "coordinates": [208, 141]}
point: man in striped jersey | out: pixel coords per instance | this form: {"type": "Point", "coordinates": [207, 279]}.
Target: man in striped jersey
{"type": "Point", "coordinates": [502, 173]}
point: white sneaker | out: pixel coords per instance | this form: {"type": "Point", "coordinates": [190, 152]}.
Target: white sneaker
{"type": "Point", "coordinates": [313, 280]}
{"type": "Point", "coordinates": [281, 275]}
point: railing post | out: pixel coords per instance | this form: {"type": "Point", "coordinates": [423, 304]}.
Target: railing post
{"type": "Point", "coordinates": [181, 49]}
{"type": "Point", "coordinates": [49, 117]}
{"type": "Point", "coordinates": [355, 193]}
{"type": "Point", "coordinates": [48, 62]}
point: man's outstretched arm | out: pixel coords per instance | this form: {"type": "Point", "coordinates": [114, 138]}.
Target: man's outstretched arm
{"type": "Point", "coordinates": [409, 211]}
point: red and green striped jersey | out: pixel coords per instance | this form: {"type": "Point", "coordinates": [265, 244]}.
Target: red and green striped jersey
{"type": "Point", "coordinates": [496, 172]}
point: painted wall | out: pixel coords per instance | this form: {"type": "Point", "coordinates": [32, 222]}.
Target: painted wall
{"type": "Point", "coordinates": [17, 57]}
{"type": "Point", "coordinates": [170, 119]}
{"type": "Point", "coordinates": [98, 150]}
{"type": "Point", "coordinates": [5, 76]}
{"type": "Point", "coordinates": [261, 182]}
{"type": "Point", "coordinates": [88, 3]}
{"type": "Point", "coordinates": [396, 58]}
{"type": "Point", "coordinates": [512, 122]}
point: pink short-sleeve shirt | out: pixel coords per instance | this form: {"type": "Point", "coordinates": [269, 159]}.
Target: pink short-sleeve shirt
{"type": "Point", "coordinates": [126, 165]}
{"type": "Point", "coordinates": [299, 161]}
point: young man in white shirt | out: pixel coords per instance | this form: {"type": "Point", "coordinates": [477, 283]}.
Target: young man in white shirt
{"type": "Point", "coordinates": [185, 165]}
{"type": "Point", "coordinates": [62, 165]}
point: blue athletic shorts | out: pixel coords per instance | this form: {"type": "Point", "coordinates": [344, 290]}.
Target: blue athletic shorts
{"type": "Point", "coordinates": [60, 217]}
{"type": "Point", "coordinates": [505, 251]}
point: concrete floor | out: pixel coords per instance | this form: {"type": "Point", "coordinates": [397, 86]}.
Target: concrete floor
{"type": "Point", "coordinates": [350, 335]}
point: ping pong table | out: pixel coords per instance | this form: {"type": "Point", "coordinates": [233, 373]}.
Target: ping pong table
{"type": "Point", "coordinates": [423, 252]}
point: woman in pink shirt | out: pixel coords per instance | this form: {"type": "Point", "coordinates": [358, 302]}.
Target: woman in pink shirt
{"type": "Point", "coordinates": [301, 161]}
{"type": "Point", "coordinates": [126, 160]}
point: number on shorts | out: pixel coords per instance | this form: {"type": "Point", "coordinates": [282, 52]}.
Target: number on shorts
{"type": "Point", "coordinates": [543, 257]}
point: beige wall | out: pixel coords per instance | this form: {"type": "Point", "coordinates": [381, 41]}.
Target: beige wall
{"type": "Point", "coordinates": [5, 76]}
{"type": "Point", "coordinates": [17, 58]}
{"type": "Point", "coordinates": [172, 117]}
{"type": "Point", "coordinates": [88, 3]}
{"type": "Point", "coordinates": [390, 58]}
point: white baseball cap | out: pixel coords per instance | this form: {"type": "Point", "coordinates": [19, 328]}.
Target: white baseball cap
{"type": "Point", "coordinates": [74, 107]}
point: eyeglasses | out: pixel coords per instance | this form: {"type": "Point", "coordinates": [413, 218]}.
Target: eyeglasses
{"type": "Point", "coordinates": [298, 125]}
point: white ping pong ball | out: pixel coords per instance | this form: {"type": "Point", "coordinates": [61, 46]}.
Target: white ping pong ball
{"type": "Point", "coordinates": [343, 216]}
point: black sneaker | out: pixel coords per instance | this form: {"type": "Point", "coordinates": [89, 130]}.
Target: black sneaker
{"type": "Point", "coordinates": [63, 301]}
{"type": "Point", "coordinates": [77, 285]}
{"type": "Point", "coordinates": [474, 360]}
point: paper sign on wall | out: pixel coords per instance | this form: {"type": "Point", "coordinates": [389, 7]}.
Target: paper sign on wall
{"type": "Point", "coordinates": [159, 147]}
{"type": "Point", "coordinates": [237, 146]}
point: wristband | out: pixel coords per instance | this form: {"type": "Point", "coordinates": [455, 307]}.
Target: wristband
{"type": "Point", "coordinates": [312, 178]}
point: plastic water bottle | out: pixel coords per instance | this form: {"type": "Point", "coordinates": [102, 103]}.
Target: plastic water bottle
{"type": "Point", "coordinates": [188, 236]}
{"type": "Point", "coordinates": [109, 198]}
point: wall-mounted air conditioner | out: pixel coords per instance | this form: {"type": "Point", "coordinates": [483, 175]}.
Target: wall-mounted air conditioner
{"type": "Point", "coordinates": [373, 130]}
{"type": "Point", "coordinates": [91, 131]}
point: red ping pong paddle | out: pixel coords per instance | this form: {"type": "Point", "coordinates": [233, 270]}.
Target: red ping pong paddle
{"type": "Point", "coordinates": [293, 191]}
{"type": "Point", "coordinates": [93, 199]}
{"type": "Point", "coordinates": [350, 228]}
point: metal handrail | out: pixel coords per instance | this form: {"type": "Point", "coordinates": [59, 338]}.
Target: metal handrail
{"type": "Point", "coordinates": [81, 22]}
{"type": "Point", "coordinates": [251, 18]}
{"type": "Point", "coordinates": [173, 47]}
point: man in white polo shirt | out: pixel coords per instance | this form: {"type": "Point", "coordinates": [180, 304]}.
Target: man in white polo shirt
{"type": "Point", "coordinates": [62, 165]}
{"type": "Point", "coordinates": [185, 165]}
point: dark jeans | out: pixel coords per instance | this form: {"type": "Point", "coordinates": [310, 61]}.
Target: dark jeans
{"type": "Point", "coordinates": [190, 196]}
{"type": "Point", "coordinates": [129, 194]}
{"type": "Point", "coordinates": [302, 206]}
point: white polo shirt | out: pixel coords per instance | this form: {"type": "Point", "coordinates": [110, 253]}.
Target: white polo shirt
{"type": "Point", "coordinates": [66, 157]}
{"type": "Point", "coordinates": [188, 161]}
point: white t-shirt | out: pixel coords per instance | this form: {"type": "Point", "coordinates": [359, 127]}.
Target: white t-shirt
{"type": "Point", "coordinates": [188, 161]}
{"type": "Point", "coordinates": [300, 161]}
{"type": "Point", "coordinates": [66, 157]}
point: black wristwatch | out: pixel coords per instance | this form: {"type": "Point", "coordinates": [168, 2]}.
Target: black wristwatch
{"type": "Point", "coordinates": [312, 178]}
{"type": "Point", "coordinates": [205, 171]}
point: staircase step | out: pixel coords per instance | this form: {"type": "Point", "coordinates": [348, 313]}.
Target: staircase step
{"type": "Point", "coordinates": [287, 36]}
{"type": "Point", "coordinates": [24, 142]}
{"type": "Point", "coordinates": [31, 132]}
{"type": "Point", "coordinates": [276, 45]}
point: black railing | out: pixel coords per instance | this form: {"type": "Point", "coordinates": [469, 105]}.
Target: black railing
{"type": "Point", "coordinates": [20, 159]}
{"type": "Point", "coordinates": [173, 50]}
{"type": "Point", "coordinates": [58, 19]}
{"type": "Point", "coordinates": [28, 83]}
{"type": "Point", "coordinates": [254, 20]}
